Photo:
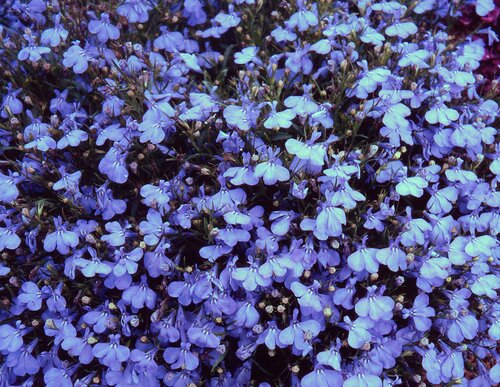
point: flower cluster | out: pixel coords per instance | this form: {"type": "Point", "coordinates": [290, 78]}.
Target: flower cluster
{"type": "Point", "coordinates": [249, 192]}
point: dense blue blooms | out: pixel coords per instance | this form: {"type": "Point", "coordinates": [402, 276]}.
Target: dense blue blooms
{"type": "Point", "coordinates": [240, 193]}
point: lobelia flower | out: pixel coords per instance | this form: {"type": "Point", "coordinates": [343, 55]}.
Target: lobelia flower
{"type": "Point", "coordinates": [30, 296]}
{"type": "Point", "coordinates": [157, 196]}
{"type": "Point", "coordinates": [22, 361]}
{"type": "Point", "coordinates": [104, 29]}
{"type": "Point", "coordinates": [113, 165]}
{"type": "Point", "coordinates": [154, 228]}
{"type": "Point", "coordinates": [8, 186]}
{"type": "Point", "coordinates": [111, 354]}
{"type": "Point", "coordinates": [246, 315]}
{"type": "Point", "coordinates": [461, 326]}
{"type": "Point", "coordinates": [315, 153]}
{"type": "Point", "coordinates": [362, 378]}
{"type": "Point", "coordinates": [54, 36]}
{"type": "Point", "coordinates": [55, 302]}
{"type": "Point", "coordinates": [272, 170]}
{"type": "Point", "coordinates": [322, 377]}
{"type": "Point", "coordinates": [181, 357]}
{"type": "Point", "coordinates": [68, 182]}
{"type": "Point", "coordinates": [303, 19]}
{"type": "Point", "coordinates": [135, 11]}
{"type": "Point", "coordinates": [78, 58]}
{"type": "Point", "coordinates": [11, 338]}
{"type": "Point", "coordinates": [281, 119]}
{"type": "Point", "coordinates": [117, 234]}
{"type": "Point", "coordinates": [331, 357]}
{"type": "Point", "coordinates": [8, 237]}
{"type": "Point", "coordinates": [300, 334]}
{"type": "Point", "coordinates": [242, 175]}
{"type": "Point", "coordinates": [203, 336]}
{"type": "Point", "coordinates": [328, 222]}
{"type": "Point", "coordinates": [59, 376]}
{"type": "Point", "coordinates": [80, 346]}
{"type": "Point", "coordinates": [358, 331]}
{"type": "Point", "coordinates": [250, 277]}
{"type": "Point", "coordinates": [375, 306]}
{"type": "Point", "coordinates": [106, 204]}
{"type": "Point", "coordinates": [59, 327]}
{"type": "Point", "coordinates": [411, 186]}
{"type": "Point", "coordinates": [10, 103]}
{"type": "Point", "coordinates": [32, 52]}
{"type": "Point", "coordinates": [420, 313]}
{"type": "Point", "coordinates": [140, 295]}
{"type": "Point", "coordinates": [307, 296]}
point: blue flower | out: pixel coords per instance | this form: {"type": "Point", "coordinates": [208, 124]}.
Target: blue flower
{"type": "Point", "coordinates": [270, 336]}
{"type": "Point", "coordinates": [11, 338]}
{"type": "Point", "coordinates": [117, 234]}
{"type": "Point", "coordinates": [140, 295]}
{"type": "Point", "coordinates": [80, 346]}
{"type": "Point", "coordinates": [358, 331]}
{"type": "Point", "coordinates": [203, 336]}
{"type": "Point", "coordinates": [59, 376]}
{"type": "Point", "coordinates": [22, 361]}
{"type": "Point", "coordinates": [281, 119]}
{"type": "Point", "coordinates": [250, 277]}
{"type": "Point", "coordinates": [10, 103]}
{"type": "Point", "coordinates": [56, 301]}
{"type": "Point", "coordinates": [8, 188]}
{"type": "Point", "coordinates": [32, 52]}
{"type": "Point", "coordinates": [135, 11]}
{"type": "Point", "coordinates": [462, 326]}
{"type": "Point", "coordinates": [272, 170]}
{"type": "Point", "coordinates": [104, 29]}
{"type": "Point", "coordinates": [54, 36]}
{"type": "Point", "coordinates": [61, 239]}
{"type": "Point", "coordinates": [322, 377]}
{"type": "Point", "coordinates": [307, 296]}
{"type": "Point", "coordinates": [376, 307]}
{"type": "Point", "coordinates": [303, 18]}
{"type": "Point", "coordinates": [401, 29]}
{"type": "Point", "coordinates": [411, 186]}
{"type": "Point", "coordinates": [247, 55]}
{"type": "Point", "coordinates": [393, 257]}
{"type": "Point", "coordinates": [111, 354]}
{"type": "Point", "coordinates": [362, 379]}
{"type": "Point", "coordinates": [315, 153]}
{"type": "Point", "coordinates": [300, 334]}
{"type": "Point", "coordinates": [486, 285]}
{"type": "Point", "coordinates": [484, 7]}
{"type": "Point", "coordinates": [30, 296]}
{"type": "Point", "coordinates": [154, 228]}
{"type": "Point", "coordinates": [78, 58]}
{"type": "Point", "coordinates": [420, 313]}
{"type": "Point", "coordinates": [181, 357]}
{"type": "Point", "coordinates": [157, 196]}
{"type": "Point", "coordinates": [8, 237]}
{"type": "Point", "coordinates": [114, 166]}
